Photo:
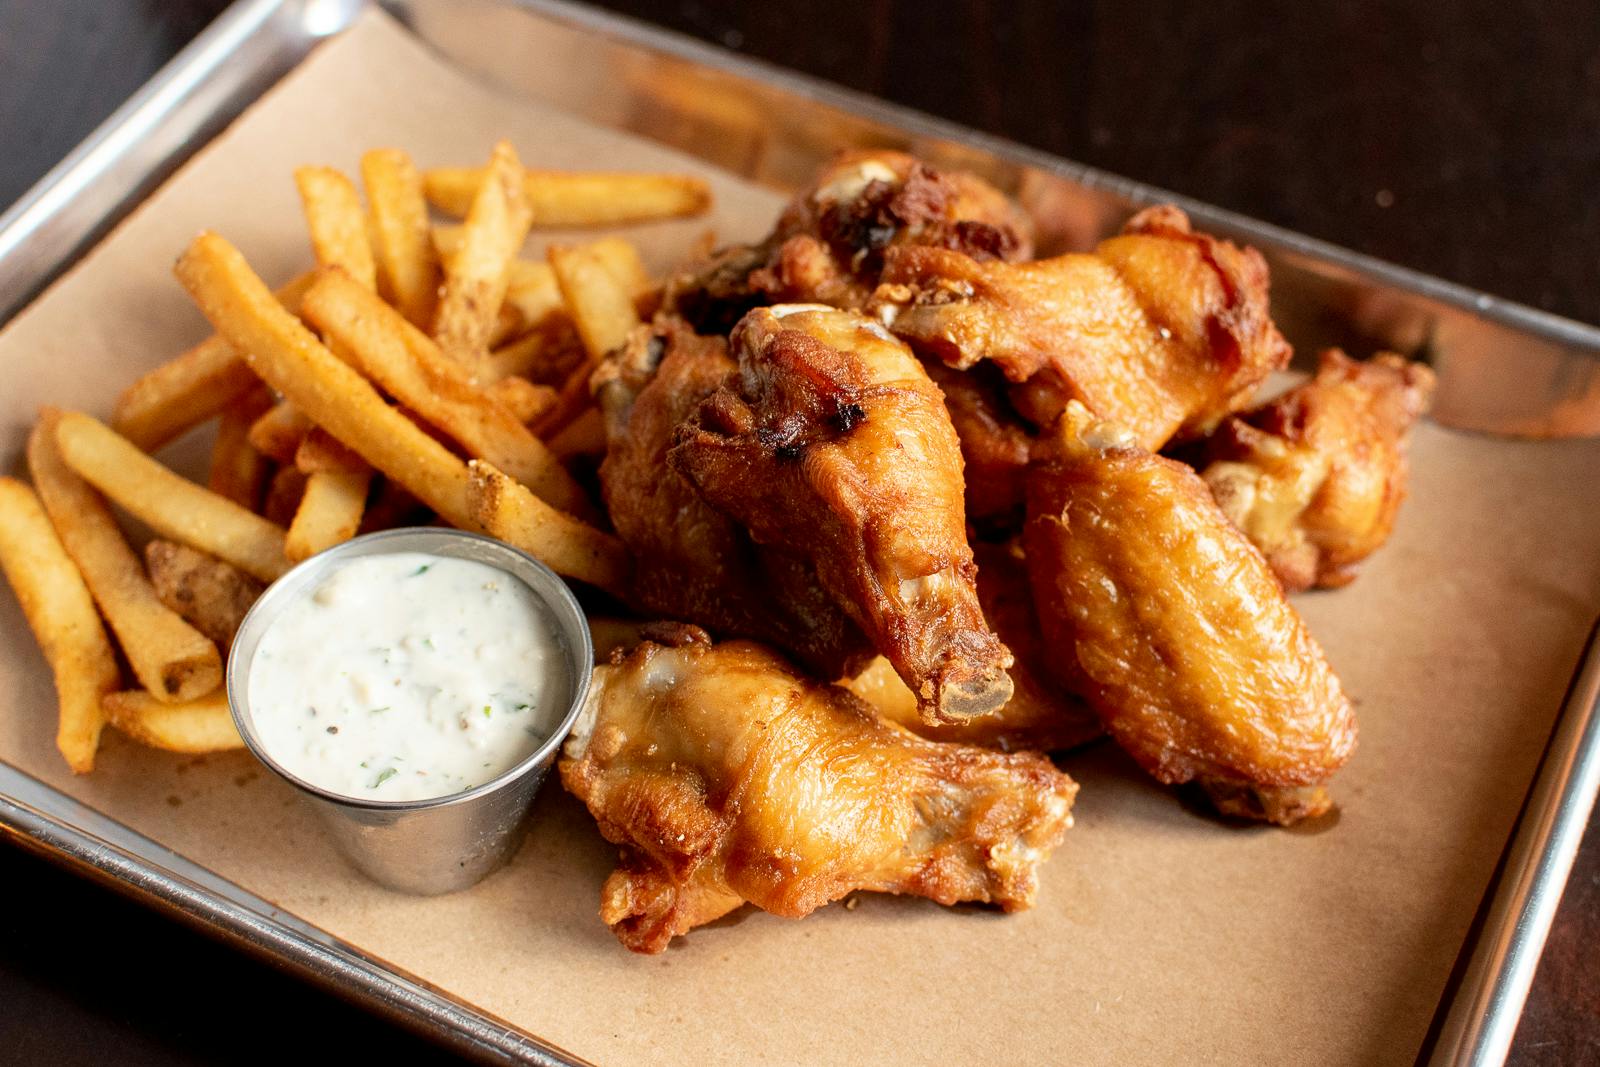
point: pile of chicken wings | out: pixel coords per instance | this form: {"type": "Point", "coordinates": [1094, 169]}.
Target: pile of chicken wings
{"type": "Point", "coordinates": [918, 507]}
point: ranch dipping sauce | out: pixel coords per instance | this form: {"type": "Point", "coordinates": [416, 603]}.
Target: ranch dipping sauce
{"type": "Point", "coordinates": [408, 676]}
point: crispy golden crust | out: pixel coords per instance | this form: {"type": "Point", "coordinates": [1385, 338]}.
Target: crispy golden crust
{"type": "Point", "coordinates": [729, 777]}
{"type": "Point", "coordinates": [995, 443]}
{"type": "Point", "coordinates": [1161, 330]}
{"type": "Point", "coordinates": [1315, 477]}
{"type": "Point", "coordinates": [1181, 638]}
{"type": "Point", "coordinates": [833, 445]}
{"type": "Point", "coordinates": [693, 562]}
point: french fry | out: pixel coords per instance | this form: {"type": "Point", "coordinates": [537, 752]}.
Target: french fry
{"type": "Point", "coordinates": [579, 199]}
{"type": "Point", "coordinates": [408, 269]}
{"type": "Point", "coordinates": [238, 471]}
{"type": "Point", "coordinates": [338, 228]}
{"type": "Point", "coordinates": [196, 727]}
{"type": "Point", "coordinates": [525, 400]}
{"type": "Point", "coordinates": [321, 451]}
{"type": "Point", "coordinates": [172, 506]}
{"type": "Point", "coordinates": [531, 288]}
{"type": "Point", "coordinates": [186, 391]}
{"type": "Point", "coordinates": [583, 436]}
{"type": "Point", "coordinates": [476, 276]}
{"type": "Point", "coordinates": [571, 401]}
{"type": "Point", "coordinates": [60, 612]}
{"type": "Point", "coordinates": [288, 485]}
{"type": "Point", "coordinates": [505, 509]}
{"type": "Point", "coordinates": [329, 513]}
{"type": "Point", "coordinates": [545, 355]}
{"type": "Point", "coordinates": [601, 306]}
{"type": "Point", "coordinates": [211, 595]}
{"type": "Point", "coordinates": [169, 657]}
{"type": "Point", "coordinates": [289, 358]}
{"type": "Point", "coordinates": [409, 367]}
{"type": "Point", "coordinates": [278, 432]}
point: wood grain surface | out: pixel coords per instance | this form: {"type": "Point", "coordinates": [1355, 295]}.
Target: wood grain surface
{"type": "Point", "coordinates": [1460, 137]}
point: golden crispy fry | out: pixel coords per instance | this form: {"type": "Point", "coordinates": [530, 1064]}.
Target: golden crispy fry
{"type": "Point", "coordinates": [286, 356]}
{"type": "Point", "coordinates": [186, 391]}
{"type": "Point", "coordinates": [288, 485]}
{"type": "Point", "coordinates": [568, 199]}
{"type": "Point", "coordinates": [531, 289]}
{"type": "Point", "coordinates": [505, 509]}
{"type": "Point", "coordinates": [278, 432]}
{"type": "Point", "coordinates": [600, 304]}
{"type": "Point", "coordinates": [62, 616]}
{"type": "Point", "coordinates": [212, 595]}
{"type": "Point", "coordinates": [408, 270]}
{"type": "Point", "coordinates": [530, 356]}
{"type": "Point", "coordinates": [338, 226]}
{"type": "Point", "coordinates": [476, 276]}
{"type": "Point", "coordinates": [321, 451]}
{"type": "Point", "coordinates": [525, 400]}
{"type": "Point", "coordinates": [401, 359]}
{"type": "Point", "coordinates": [238, 471]}
{"type": "Point", "coordinates": [583, 436]}
{"type": "Point", "coordinates": [195, 727]}
{"type": "Point", "coordinates": [172, 506]}
{"type": "Point", "coordinates": [329, 512]}
{"type": "Point", "coordinates": [169, 657]}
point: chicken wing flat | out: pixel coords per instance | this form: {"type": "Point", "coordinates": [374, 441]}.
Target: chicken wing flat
{"type": "Point", "coordinates": [727, 776]}
{"type": "Point", "coordinates": [833, 445]}
{"type": "Point", "coordinates": [691, 561]}
{"type": "Point", "coordinates": [1174, 629]}
{"type": "Point", "coordinates": [995, 443]}
{"type": "Point", "coordinates": [1041, 715]}
{"type": "Point", "coordinates": [1161, 330]}
{"type": "Point", "coordinates": [828, 245]}
{"type": "Point", "coordinates": [1315, 477]}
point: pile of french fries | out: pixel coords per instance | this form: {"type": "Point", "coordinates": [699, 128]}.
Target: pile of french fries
{"type": "Point", "coordinates": [421, 371]}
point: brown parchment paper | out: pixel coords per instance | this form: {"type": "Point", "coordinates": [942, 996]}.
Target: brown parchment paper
{"type": "Point", "coordinates": [1159, 936]}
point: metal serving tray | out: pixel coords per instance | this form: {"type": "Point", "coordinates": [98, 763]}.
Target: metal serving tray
{"type": "Point", "coordinates": [778, 127]}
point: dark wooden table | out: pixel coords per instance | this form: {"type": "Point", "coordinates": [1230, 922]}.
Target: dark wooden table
{"type": "Point", "coordinates": [1461, 137]}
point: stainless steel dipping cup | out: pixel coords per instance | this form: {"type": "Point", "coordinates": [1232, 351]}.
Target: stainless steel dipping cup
{"type": "Point", "coordinates": [445, 843]}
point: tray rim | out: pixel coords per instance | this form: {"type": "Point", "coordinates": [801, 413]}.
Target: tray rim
{"type": "Point", "coordinates": [205, 86]}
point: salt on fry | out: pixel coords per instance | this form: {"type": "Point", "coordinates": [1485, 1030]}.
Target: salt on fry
{"type": "Point", "coordinates": [525, 400]}
{"type": "Point", "coordinates": [579, 199]}
{"type": "Point", "coordinates": [409, 367]}
{"type": "Point", "coordinates": [338, 227]}
{"type": "Point", "coordinates": [211, 595]}
{"type": "Point", "coordinates": [278, 432]}
{"type": "Point", "coordinates": [169, 657]}
{"type": "Point", "coordinates": [184, 392]}
{"type": "Point", "coordinates": [169, 504]}
{"type": "Point", "coordinates": [476, 276]}
{"type": "Point", "coordinates": [505, 509]}
{"type": "Point", "coordinates": [408, 269]}
{"type": "Point", "coordinates": [61, 614]}
{"type": "Point", "coordinates": [238, 471]}
{"type": "Point", "coordinates": [195, 727]}
{"type": "Point", "coordinates": [329, 513]}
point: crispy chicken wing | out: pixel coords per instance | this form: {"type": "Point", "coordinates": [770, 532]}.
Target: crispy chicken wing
{"type": "Point", "coordinates": [832, 444]}
{"type": "Point", "coordinates": [1171, 625]}
{"type": "Point", "coordinates": [828, 245]}
{"type": "Point", "coordinates": [1161, 330]}
{"type": "Point", "coordinates": [1041, 715]}
{"type": "Point", "coordinates": [995, 443]}
{"type": "Point", "coordinates": [1315, 477]}
{"type": "Point", "coordinates": [691, 561]}
{"type": "Point", "coordinates": [727, 777]}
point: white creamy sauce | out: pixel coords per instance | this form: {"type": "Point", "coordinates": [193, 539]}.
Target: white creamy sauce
{"type": "Point", "coordinates": [407, 676]}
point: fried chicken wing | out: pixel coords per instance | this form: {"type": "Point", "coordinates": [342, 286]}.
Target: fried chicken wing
{"type": "Point", "coordinates": [828, 245]}
{"type": "Point", "coordinates": [995, 443]}
{"type": "Point", "coordinates": [833, 445]}
{"type": "Point", "coordinates": [1315, 477]}
{"type": "Point", "coordinates": [726, 776]}
{"type": "Point", "coordinates": [1171, 625]}
{"type": "Point", "coordinates": [1161, 330]}
{"type": "Point", "coordinates": [1040, 716]}
{"type": "Point", "coordinates": [691, 561]}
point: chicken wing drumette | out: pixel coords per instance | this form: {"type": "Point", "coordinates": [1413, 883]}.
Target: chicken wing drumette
{"type": "Point", "coordinates": [829, 243]}
{"type": "Point", "coordinates": [1171, 625]}
{"type": "Point", "coordinates": [833, 445]}
{"type": "Point", "coordinates": [1315, 477]}
{"type": "Point", "coordinates": [691, 561]}
{"type": "Point", "coordinates": [726, 776]}
{"type": "Point", "coordinates": [1161, 330]}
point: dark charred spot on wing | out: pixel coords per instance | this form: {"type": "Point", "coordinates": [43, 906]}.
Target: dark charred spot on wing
{"type": "Point", "coordinates": [847, 416]}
